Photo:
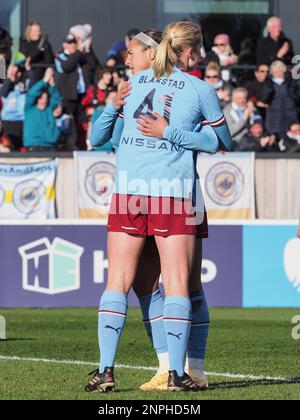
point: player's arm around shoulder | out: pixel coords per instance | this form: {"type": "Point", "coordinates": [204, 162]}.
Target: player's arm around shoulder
{"type": "Point", "coordinates": [214, 116]}
{"type": "Point", "coordinates": [103, 126]}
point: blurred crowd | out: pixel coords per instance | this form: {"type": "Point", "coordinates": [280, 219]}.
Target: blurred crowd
{"type": "Point", "coordinates": [49, 100]}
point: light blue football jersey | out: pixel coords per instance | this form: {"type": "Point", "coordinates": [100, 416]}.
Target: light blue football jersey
{"type": "Point", "coordinates": [152, 167]}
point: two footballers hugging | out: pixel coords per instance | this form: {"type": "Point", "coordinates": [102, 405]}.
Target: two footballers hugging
{"type": "Point", "coordinates": [159, 121]}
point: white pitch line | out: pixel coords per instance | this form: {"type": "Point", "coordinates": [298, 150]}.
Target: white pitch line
{"type": "Point", "coordinates": [32, 359]}
{"type": "Point", "coordinates": [79, 362]}
{"type": "Point", "coordinates": [252, 377]}
{"type": "Point", "coordinates": [70, 362]}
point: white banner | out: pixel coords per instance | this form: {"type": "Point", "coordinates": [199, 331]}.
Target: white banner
{"type": "Point", "coordinates": [227, 182]}
{"type": "Point", "coordinates": [95, 178]}
{"type": "Point", "coordinates": [228, 185]}
{"type": "Point", "coordinates": [28, 191]}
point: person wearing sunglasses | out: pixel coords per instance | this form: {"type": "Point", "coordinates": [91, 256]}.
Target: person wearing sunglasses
{"type": "Point", "coordinates": [255, 88]}
{"type": "Point", "coordinates": [213, 77]}
{"type": "Point", "coordinates": [223, 50]}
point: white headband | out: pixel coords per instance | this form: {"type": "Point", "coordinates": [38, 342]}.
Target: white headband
{"type": "Point", "coordinates": [145, 39]}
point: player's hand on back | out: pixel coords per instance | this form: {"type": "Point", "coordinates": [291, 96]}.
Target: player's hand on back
{"type": "Point", "coordinates": [152, 128]}
{"type": "Point", "coordinates": [123, 93]}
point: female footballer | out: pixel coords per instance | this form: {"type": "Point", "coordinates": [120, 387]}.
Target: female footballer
{"type": "Point", "coordinates": [183, 237]}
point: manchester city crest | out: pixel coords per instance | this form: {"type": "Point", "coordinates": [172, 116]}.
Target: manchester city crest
{"type": "Point", "coordinates": [99, 183]}
{"type": "Point", "coordinates": [28, 196]}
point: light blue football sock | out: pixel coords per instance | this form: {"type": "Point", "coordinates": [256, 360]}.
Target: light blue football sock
{"type": "Point", "coordinates": [199, 327]}
{"type": "Point", "coordinates": [111, 322]}
{"type": "Point", "coordinates": [152, 307]}
{"type": "Point", "coordinates": [177, 321]}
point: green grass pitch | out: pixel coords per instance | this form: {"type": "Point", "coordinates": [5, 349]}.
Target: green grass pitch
{"type": "Point", "coordinates": [242, 342]}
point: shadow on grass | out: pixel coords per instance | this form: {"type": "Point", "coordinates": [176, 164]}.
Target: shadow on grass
{"type": "Point", "coordinates": [16, 339]}
{"type": "Point", "coordinates": [247, 384]}
{"type": "Point", "coordinates": [217, 386]}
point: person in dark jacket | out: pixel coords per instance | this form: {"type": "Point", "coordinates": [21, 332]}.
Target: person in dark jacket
{"type": "Point", "coordinates": [276, 46]}
{"type": "Point", "coordinates": [38, 52]}
{"type": "Point", "coordinates": [257, 139]}
{"type": "Point", "coordinates": [282, 94]}
{"type": "Point", "coordinates": [255, 88]}
{"type": "Point", "coordinates": [84, 38]}
{"type": "Point", "coordinates": [5, 45]}
{"type": "Point", "coordinates": [291, 141]}
{"type": "Point", "coordinates": [72, 79]}
{"type": "Point", "coordinates": [72, 74]}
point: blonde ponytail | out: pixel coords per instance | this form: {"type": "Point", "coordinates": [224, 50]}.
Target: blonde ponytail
{"type": "Point", "coordinates": [165, 59]}
{"type": "Point", "coordinates": [177, 37]}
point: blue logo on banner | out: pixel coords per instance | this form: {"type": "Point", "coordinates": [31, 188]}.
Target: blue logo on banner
{"type": "Point", "coordinates": [225, 183]}
{"type": "Point", "coordinates": [271, 266]}
{"type": "Point", "coordinates": [28, 196]}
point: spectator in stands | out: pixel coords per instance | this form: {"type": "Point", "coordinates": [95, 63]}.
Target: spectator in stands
{"type": "Point", "coordinates": [224, 52]}
{"type": "Point", "coordinates": [94, 98]}
{"type": "Point", "coordinates": [247, 54]}
{"type": "Point", "coordinates": [213, 77]}
{"type": "Point", "coordinates": [291, 141]}
{"type": "Point", "coordinates": [72, 79]}
{"type": "Point", "coordinates": [257, 140]}
{"type": "Point", "coordinates": [67, 128]}
{"type": "Point", "coordinates": [246, 57]}
{"type": "Point", "coordinates": [37, 51]}
{"type": "Point", "coordinates": [96, 94]}
{"type": "Point", "coordinates": [111, 62]}
{"type": "Point", "coordinates": [5, 45]}
{"type": "Point", "coordinates": [117, 52]}
{"type": "Point", "coordinates": [255, 88]}
{"type": "Point", "coordinates": [282, 95]}
{"type": "Point", "coordinates": [12, 115]}
{"type": "Point", "coordinates": [119, 76]}
{"type": "Point", "coordinates": [84, 37]}
{"type": "Point", "coordinates": [238, 113]}
{"type": "Point", "coordinates": [276, 46]}
{"type": "Point", "coordinates": [116, 76]}
{"type": "Point", "coordinates": [40, 129]}
{"type": "Point", "coordinates": [111, 94]}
